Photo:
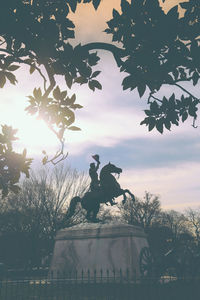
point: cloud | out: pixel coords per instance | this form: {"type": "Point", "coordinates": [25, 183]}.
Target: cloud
{"type": "Point", "coordinates": [177, 186]}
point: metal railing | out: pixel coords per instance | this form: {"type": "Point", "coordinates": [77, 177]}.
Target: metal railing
{"type": "Point", "coordinates": [97, 285]}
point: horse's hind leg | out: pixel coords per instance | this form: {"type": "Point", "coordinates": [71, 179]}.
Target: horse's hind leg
{"type": "Point", "coordinates": [95, 212]}
{"type": "Point", "coordinates": [88, 216]}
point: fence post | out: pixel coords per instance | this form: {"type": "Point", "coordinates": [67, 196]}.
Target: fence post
{"type": "Point", "coordinates": [114, 275]}
{"type": "Point", "coordinates": [127, 274]}
{"type": "Point", "coordinates": [88, 275]}
{"type": "Point", "coordinates": [95, 275]}
{"type": "Point", "coordinates": [82, 275]}
{"type": "Point", "coordinates": [107, 273]}
{"type": "Point", "coordinates": [101, 274]}
{"type": "Point", "coordinates": [51, 274]}
{"type": "Point", "coordinates": [120, 274]}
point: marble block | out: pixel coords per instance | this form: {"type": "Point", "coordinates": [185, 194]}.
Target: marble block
{"type": "Point", "coordinates": [99, 246]}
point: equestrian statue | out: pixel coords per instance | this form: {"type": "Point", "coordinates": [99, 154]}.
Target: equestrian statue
{"type": "Point", "coordinates": [103, 190]}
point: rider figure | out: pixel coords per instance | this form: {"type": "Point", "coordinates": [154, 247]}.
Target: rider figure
{"type": "Point", "coordinates": [94, 185]}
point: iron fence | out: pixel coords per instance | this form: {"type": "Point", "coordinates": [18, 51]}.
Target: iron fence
{"type": "Point", "coordinates": [97, 285]}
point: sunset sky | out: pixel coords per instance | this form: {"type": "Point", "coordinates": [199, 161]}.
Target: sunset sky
{"type": "Point", "coordinates": [167, 165]}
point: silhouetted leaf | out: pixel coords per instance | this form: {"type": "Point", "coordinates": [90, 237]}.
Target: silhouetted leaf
{"type": "Point", "coordinates": [147, 112]}
{"type": "Point", "coordinates": [93, 59]}
{"type": "Point", "coordinates": [2, 80]}
{"type": "Point", "coordinates": [44, 160]}
{"type": "Point", "coordinates": [141, 89]}
{"type": "Point", "coordinates": [81, 80]}
{"type": "Point", "coordinates": [96, 3]}
{"type": "Point", "coordinates": [37, 93]}
{"type": "Point", "coordinates": [152, 123]}
{"type": "Point", "coordinates": [24, 153]}
{"type": "Point", "coordinates": [57, 93]}
{"type": "Point", "coordinates": [129, 82]}
{"type": "Point", "coordinates": [11, 77]}
{"type": "Point", "coordinates": [69, 80]}
{"type": "Point", "coordinates": [195, 78]}
{"type": "Point", "coordinates": [74, 128]}
{"type": "Point", "coordinates": [13, 68]}
{"type": "Point", "coordinates": [84, 70]}
{"type": "Point", "coordinates": [75, 106]}
{"type": "Point", "coordinates": [94, 84]}
{"type": "Point", "coordinates": [184, 116]}
{"type": "Point", "coordinates": [159, 125]}
{"type": "Point", "coordinates": [115, 13]}
{"type": "Point", "coordinates": [95, 74]}
{"type": "Point", "coordinates": [32, 69]}
{"type": "Point", "coordinates": [71, 100]}
{"type": "Point", "coordinates": [192, 110]}
{"type": "Point", "coordinates": [184, 5]}
{"type": "Point", "coordinates": [63, 95]}
{"type": "Point", "coordinates": [145, 121]}
{"type": "Point", "coordinates": [175, 73]}
{"type": "Point", "coordinates": [125, 6]}
{"type": "Point", "coordinates": [72, 4]}
{"type": "Point", "coordinates": [167, 124]}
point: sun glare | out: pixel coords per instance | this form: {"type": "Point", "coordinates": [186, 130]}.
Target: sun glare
{"type": "Point", "coordinates": [33, 134]}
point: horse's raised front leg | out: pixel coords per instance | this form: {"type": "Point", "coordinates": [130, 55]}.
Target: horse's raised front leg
{"type": "Point", "coordinates": [124, 196]}
{"type": "Point", "coordinates": [132, 196]}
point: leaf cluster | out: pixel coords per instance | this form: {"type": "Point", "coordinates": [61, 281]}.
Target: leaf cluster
{"type": "Point", "coordinates": [57, 111]}
{"type": "Point", "coordinates": [12, 164]}
{"type": "Point", "coordinates": [161, 48]}
{"type": "Point", "coordinates": [170, 112]}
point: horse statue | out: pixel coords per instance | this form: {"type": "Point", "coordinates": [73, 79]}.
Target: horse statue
{"type": "Point", "coordinates": [108, 190]}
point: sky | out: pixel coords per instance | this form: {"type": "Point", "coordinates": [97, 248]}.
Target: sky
{"type": "Point", "coordinates": [166, 165]}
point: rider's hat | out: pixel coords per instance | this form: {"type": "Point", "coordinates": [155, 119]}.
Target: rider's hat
{"type": "Point", "coordinates": [96, 157]}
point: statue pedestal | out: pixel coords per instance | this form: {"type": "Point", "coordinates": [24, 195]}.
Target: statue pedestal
{"type": "Point", "coordinates": [109, 248]}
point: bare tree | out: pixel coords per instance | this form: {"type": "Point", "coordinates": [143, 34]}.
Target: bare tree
{"type": "Point", "coordinates": [37, 212]}
{"type": "Point", "coordinates": [176, 222]}
{"type": "Point", "coordinates": [141, 212]}
{"type": "Point", "coordinates": [49, 191]}
{"type": "Point", "coordinates": [193, 217]}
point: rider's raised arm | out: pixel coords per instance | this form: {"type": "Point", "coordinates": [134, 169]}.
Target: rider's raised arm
{"type": "Point", "coordinates": [97, 167]}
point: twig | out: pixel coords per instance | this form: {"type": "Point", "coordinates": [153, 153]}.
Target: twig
{"type": "Point", "coordinates": [151, 96]}
{"type": "Point", "coordinates": [118, 53]}
{"type": "Point", "coordinates": [186, 91]}
{"type": "Point", "coordinates": [19, 60]}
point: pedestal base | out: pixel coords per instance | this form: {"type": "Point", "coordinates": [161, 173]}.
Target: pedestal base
{"type": "Point", "coordinates": [109, 248]}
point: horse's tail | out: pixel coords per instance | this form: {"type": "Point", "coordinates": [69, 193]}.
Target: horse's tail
{"type": "Point", "coordinates": [72, 206]}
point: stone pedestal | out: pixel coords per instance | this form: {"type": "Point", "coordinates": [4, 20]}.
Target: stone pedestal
{"type": "Point", "coordinates": [96, 247]}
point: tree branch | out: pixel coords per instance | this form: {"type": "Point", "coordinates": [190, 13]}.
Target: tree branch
{"type": "Point", "coordinates": [118, 53]}
{"type": "Point", "coordinates": [186, 91]}
{"type": "Point", "coordinates": [19, 60]}
{"type": "Point", "coordinates": [51, 80]}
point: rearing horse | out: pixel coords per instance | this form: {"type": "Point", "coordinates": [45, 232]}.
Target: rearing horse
{"type": "Point", "coordinates": [108, 190]}
{"type": "Point", "coordinates": [109, 184]}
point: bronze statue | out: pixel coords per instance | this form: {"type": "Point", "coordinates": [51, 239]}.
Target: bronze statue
{"type": "Point", "coordinates": [108, 189]}
{"type": "Point", "coordinates": [94, 185]}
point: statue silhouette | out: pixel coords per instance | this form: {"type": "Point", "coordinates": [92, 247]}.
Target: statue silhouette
{"type": "Point", "coordinates": [94, 185]}
{"type": "Point", "coordinates": [108, 189]}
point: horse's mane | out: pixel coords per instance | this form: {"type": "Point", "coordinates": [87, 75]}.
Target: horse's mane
{"type": "Point", "coordinates": [104, 173]}
{"type": "Point", "coordinates": [104, 168]}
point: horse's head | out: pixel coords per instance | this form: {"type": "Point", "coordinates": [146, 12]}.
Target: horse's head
{"type": "Point", "coordinates": [113, 169]}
